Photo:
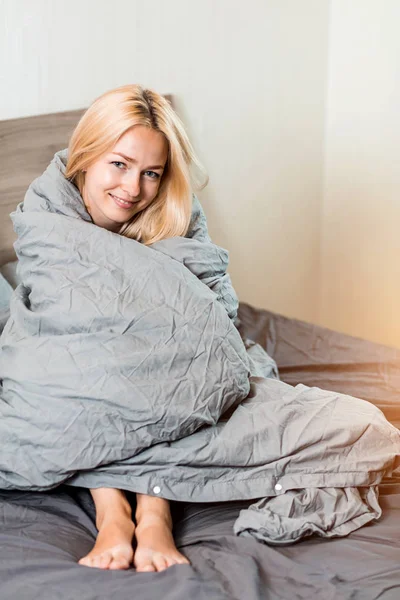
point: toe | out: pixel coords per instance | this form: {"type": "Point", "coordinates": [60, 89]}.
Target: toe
{"type": "Point", "coordinates": [104, 560]}
{"type": "Point", "coordinates": [86, 561]}
{"type": "Point", "coordinates": [145, 568]}
{"type": "Point", "coordinates": [119, 565]}
{"type": "Point", "coordinates": [101, 561]}
{"type": "Point", "coordinates": [160, 562]}
{"type": "Point", "coordinates": [171, 560]}
{"type": "Point", "coordinates": [177, 559]}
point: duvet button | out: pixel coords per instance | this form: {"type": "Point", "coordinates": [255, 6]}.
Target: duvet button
{"type": "Point", "coordinates": [156, 489]}
{"type": "Point", "coordinates": [278, 487]}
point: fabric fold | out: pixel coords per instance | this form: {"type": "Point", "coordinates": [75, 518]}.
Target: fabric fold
{"type": "Point", "coordinates": [325, 512]}
{"type": "Point", "coordinates": [121, 366]}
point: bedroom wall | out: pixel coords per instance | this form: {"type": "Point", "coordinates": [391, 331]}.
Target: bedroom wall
{"type": "Point", "coordinates": [249, 82]}
{"type": "Point", "coordinates": [360, 278]}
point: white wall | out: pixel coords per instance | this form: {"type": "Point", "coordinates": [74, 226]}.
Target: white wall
{"type": "Point", "coordinates": [360, 272]}
{"type": "Point", "coordinates": [249, 81]}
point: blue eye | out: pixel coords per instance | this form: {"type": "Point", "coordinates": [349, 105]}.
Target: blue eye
{"type": "Point", "coordinates": [154, 175]}
{"type": "Point", "coordinates": [118, 162]}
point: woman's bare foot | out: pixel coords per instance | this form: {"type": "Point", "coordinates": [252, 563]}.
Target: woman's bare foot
{"type": "Point", "coordinates": [156, 550]}
{"type": "Point", "coordinates": [113, 547]}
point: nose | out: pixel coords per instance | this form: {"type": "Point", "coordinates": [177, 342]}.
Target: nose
{"type": "Point", "coordinates": [131, 184]}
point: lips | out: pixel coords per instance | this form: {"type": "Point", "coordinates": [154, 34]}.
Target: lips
{"type": "Point", "coordinates": [121, 202]}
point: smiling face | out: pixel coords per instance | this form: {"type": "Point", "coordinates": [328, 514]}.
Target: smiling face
{"type": "Point", "coordinates": [125, 180]}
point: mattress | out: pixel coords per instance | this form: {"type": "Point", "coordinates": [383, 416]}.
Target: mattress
{"type": "Point", "coordinates": [42, 535]}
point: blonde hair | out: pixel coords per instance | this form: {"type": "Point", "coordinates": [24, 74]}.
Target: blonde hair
{"type": "Point", "coordinates": [99, 129]}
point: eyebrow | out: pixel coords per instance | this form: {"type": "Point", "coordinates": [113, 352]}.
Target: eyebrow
{"type": "Point", "coordinates": [129, 159]}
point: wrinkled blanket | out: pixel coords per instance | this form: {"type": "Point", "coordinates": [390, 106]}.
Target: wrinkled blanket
{"type": "Point", "coordinates": [121, 366]}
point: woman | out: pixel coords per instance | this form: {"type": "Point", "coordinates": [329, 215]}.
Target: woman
{"type": "Point", "coordinates": [130, 158]}
{"type": "Point", "coordinates": [122, 367]}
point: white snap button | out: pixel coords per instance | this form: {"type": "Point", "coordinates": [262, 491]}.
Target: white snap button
{"type": "Point", "coordinates": [156, 489]}
{"type": "Point", "coordinates": [278, 487]}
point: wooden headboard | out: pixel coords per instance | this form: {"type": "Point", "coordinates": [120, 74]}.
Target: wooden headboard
{"type": "Point", "coordinates": [26, 147]}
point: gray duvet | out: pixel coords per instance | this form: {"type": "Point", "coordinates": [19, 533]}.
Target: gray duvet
{"type": "Point", "coordinates": [121, 366]}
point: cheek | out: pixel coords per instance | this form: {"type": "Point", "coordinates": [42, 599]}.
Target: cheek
{"type": "Point", "coordinates": [102, 178]}
{"type": "Point", "coordinates": [109, 178]}
{"type": "Point", "coordinates": [154, 187]}
{"type": "Point", "coordinates": [151, 192]}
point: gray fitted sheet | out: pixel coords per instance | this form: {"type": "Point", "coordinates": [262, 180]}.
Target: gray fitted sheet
{"type": "Point", "coordinates": [42, 535]}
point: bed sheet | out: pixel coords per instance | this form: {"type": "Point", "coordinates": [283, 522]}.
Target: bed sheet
{"type": "Point", "coordinates": [317, 356]}
{"type": "Point", "coordinates": [42, 535]}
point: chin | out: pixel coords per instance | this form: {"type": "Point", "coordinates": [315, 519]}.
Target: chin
{"type": "Point", "coordinates": [119, 215]}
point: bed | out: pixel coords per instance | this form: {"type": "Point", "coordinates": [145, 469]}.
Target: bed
{"type": "Point", "coordinates": [42, 535]}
